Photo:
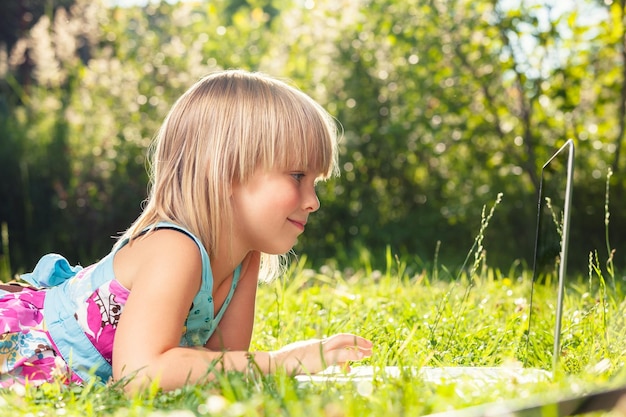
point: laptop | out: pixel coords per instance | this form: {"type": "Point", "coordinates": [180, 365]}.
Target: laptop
{"type": "Point", "coordinates": [551, 244]}
{"type": "Point", "coordinates": [549, 272]}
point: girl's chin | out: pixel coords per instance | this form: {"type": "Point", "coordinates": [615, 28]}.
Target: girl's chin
{"type": "Point", "coordinates": [282, 251]}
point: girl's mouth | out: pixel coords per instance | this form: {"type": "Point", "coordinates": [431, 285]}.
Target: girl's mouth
{"type": "Point", "coordinates": [299, 225]}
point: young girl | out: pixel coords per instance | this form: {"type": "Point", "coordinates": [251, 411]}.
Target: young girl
{"type": "Point", "coordinates": [233, 184]}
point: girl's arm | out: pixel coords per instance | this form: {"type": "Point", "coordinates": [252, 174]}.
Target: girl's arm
{"type": "Point", "coordinates": [163, 273]}
{"type": "Point", "coordinates": [166, 274]}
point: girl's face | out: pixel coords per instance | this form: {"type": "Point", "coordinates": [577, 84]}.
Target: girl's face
{"type": "Point", "coordinates": [272, 208]}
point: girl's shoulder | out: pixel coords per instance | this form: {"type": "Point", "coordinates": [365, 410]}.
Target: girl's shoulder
{"type": "Point", "coordinates": [160, 252]}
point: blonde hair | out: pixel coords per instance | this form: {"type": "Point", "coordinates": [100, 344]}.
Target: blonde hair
{"type": "Point", "coordinates": [226, 126]}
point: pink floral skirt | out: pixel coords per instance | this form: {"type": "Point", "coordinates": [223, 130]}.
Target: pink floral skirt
{"type": "Point", "coordinates": [27, 354]}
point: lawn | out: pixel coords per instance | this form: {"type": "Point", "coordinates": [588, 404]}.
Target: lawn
{"type": "Point", "coordinates": [417, 316]}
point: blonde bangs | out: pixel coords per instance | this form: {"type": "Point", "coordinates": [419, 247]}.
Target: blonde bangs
{"type": "Point", "coordinates": [288, 129]}
{"type": "Point", "coordinates": [306, 140]}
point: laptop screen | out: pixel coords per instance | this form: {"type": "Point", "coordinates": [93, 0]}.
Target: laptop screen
{"type": "Point", "coordinates": [550, 259]}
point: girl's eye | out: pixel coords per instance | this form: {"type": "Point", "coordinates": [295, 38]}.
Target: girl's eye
{"type": "Point", "coordinates": [297, 176]}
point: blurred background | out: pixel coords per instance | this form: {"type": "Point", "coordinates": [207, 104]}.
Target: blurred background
{"type": "Point", "coordinates": [444, 104]}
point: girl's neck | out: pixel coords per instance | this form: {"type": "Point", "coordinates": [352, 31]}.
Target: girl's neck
{"type": "Point", "coordinates": [228, 258]}
{"type": "Point", "coordinates": [232, 251]}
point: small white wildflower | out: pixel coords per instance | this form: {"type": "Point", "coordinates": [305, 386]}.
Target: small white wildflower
{"type": "Point", "coordinates": [215, 404]}
{"type": "Point", "coordinates": [60, 368]}
{"type": "Point", "coordinates": [18, 389]}
{"type": "Point", "coordinates": [365, 388]}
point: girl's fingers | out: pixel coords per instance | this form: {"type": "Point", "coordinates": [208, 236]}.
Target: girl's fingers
{"type": "Point", "coordinates": [314, 355]}
{"type": "Point", "coordinates": [346, 340]}
{"type": "Point", "coordinates": [344, 347]}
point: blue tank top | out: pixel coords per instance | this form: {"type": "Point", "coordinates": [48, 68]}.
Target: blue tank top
{"type": "Point", "coordinates": [64, 294]}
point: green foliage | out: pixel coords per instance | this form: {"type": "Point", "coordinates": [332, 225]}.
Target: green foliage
{"type": "Point", "coordinates": [444, 106]}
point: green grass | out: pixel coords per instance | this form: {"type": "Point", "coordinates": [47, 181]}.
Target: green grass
{"type": "Point", "coordinates": [416, 317]}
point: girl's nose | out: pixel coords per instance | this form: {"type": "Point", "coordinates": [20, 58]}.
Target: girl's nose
{"type": "Point", "coordinates": [311, 202]}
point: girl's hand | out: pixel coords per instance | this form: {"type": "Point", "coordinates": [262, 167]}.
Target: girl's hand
{"type": "Point", "coordinates": [315, 355]}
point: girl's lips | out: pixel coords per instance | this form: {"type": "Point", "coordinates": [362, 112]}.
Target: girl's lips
{"type": "Point", "coordinates": [299, 225]}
